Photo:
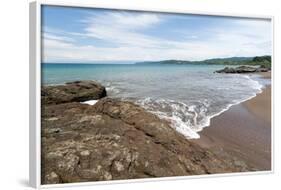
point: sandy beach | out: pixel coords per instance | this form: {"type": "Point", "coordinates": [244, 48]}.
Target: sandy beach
{"type": "Point", "coordinates": [243, 131]}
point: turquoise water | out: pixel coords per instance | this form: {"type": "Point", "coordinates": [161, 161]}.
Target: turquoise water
{"type": "Point", "coordinates": [188, 96]}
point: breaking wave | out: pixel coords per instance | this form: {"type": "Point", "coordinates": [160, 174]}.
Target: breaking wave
{"type": "Point", "coordinates": [190, 118]}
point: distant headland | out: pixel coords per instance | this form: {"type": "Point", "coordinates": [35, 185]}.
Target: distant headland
{"type": "Point", "coordinates": [264, 61]}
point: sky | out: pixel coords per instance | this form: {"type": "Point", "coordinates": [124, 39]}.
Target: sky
{"type": "Point", "coordinates": [87, 35]}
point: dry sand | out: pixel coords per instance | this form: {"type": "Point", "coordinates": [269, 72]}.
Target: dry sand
{"type": "Point", "coordinates": [243, 131]}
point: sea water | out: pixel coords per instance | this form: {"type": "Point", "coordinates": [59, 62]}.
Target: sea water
{"type": "Point", "coordinates": [188, 96]}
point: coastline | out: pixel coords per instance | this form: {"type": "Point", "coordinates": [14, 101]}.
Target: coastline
{"type": "Point", "coordinates": [116, 139]}
{"type": "Point", "coordinates": [244, 131]}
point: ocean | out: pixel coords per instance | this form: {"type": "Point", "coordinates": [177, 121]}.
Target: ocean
{"type": "Point", "coordinates": [188, 96]}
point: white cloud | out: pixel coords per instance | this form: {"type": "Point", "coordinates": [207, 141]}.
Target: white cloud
{"type": "Point", "coordinates": [61, 51]}
{"type": "Point", "coordinates": [49, 36]}
{"type": "Point", "coordinates": [128, 20]}
{"type": "Point", "coordinates": [122, 28]}
{"type": "Point", "coordinates": [123, 20]}
{"type": "Point", "coordinates": [125, 31]}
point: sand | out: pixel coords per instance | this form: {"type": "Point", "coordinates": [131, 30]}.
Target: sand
{"type": "Point", "coordinates": [266, 75]}
{"type": "Point", "coordinates": [243, 131]}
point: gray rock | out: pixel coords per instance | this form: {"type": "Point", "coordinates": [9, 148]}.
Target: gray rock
{"type": "Point", "coordinates": [116, 139]}
{"type": "Point", "coordinates": [242, 69]}
{"type": "Point", "coordinates": [52, 178]}
{"type": "Point", "coordinates": [77, 91]}
{"type": "Point", "coordinates": [261, 69]}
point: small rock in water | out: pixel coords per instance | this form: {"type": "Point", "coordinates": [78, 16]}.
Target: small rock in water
{"type": "Point", "coordinates": [242, 69]}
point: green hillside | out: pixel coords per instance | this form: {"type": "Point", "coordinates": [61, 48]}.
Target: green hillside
{"type": "Point", "coordinates": [264, 61]}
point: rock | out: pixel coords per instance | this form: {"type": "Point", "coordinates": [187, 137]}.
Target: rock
{"type": "Point", "coordinates": [262, 69]}
{"type": "Point", "coordinates": [52, 130]}
{"type": "Point", "coordinates": [226, 70]}
{"type": "Point", "coordinates": [116, 139]}
{"type": "Point", "coordinates": [242, 69]}
{"type": "Point", "coordinates": [52, 178]}
{"type": "Point", "coordinates": [77, 91]}
{"type": "Point", "coordinates": [85, 158]}
{"type": "Point", "coordinates": [118, 166]}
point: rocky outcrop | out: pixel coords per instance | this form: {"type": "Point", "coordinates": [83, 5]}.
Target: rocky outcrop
{"type": "Point", "coordinates": [116, 139]}
{"type": "Point", "coordinates": [242, 69]}
{"type": "Point", "coordinates": [77, 91]}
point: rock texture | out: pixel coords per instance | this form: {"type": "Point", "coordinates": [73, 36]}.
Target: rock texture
{"type": "Point", "coordinates": [77, 91]}
{"type": "Point", "coordinates": [116, 139]}
{"type": "Point", "coordinates": [242, 69]}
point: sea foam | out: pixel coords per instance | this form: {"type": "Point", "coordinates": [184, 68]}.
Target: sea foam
{"type": "Point", "coordinates": [189, 119]}
{"type": "Point", "coordinates": [188, 95]}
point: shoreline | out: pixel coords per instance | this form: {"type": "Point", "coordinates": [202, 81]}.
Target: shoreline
{"type": "Point", "coordinates": [244, 130]}
{"type": "Point", "coordinates": [115, 139]}
{"type": "Point", "coordinates": [265, 75]}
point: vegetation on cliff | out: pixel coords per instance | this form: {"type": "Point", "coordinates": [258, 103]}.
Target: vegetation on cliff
{"type": "Point", "coordinates": [264, 61]}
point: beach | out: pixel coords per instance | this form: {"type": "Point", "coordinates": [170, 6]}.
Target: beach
{"type": "Point", "coordinates": [115, 139]}
{"type": "Point", "coordinates": [243, 131]}
{"type": "Point", "coordinates": [119, 128]}
{"type": "Point", "coordinates": [147, 95]}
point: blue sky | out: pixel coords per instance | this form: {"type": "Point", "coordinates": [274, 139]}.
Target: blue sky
{"type": "Point", "coordinates": [101, 35]}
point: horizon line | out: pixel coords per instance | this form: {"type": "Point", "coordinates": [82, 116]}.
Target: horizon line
{"type": "Point", "coordinates": [134, 62]}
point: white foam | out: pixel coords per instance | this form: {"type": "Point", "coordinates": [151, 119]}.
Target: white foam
{"type": "Point", "coordinates": [112, 89]}
{"type": "Point", "coordinates": [181, 127]}
{"type": "Point", "coordinates": [193, 125]}
{"type": "Point", "coordinates": [175, 115]}
{"type": "Point", "coordinates": [90, 102]}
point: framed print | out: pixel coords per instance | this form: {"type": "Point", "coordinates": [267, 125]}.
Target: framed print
{"type": "Point", "coordinates": [124, 95]}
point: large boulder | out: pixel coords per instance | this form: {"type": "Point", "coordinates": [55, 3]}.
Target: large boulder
{"type": "Point", "coordinates": [77, 91]}
{"type": "Point", "coordinates": [116, 139]}
{"type": "Point", "coordinates": [242, 69]}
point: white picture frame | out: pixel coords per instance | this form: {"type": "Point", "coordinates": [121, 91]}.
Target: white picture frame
{"type": "Point", "coordinates": [35, 94]}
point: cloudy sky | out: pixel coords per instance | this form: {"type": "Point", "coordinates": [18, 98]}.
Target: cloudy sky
{"type": "Point", "coordinates": [99, 35]}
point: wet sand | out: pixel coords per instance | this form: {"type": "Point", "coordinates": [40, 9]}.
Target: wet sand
{"type": "Point", "coordinates": [243, 131]}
